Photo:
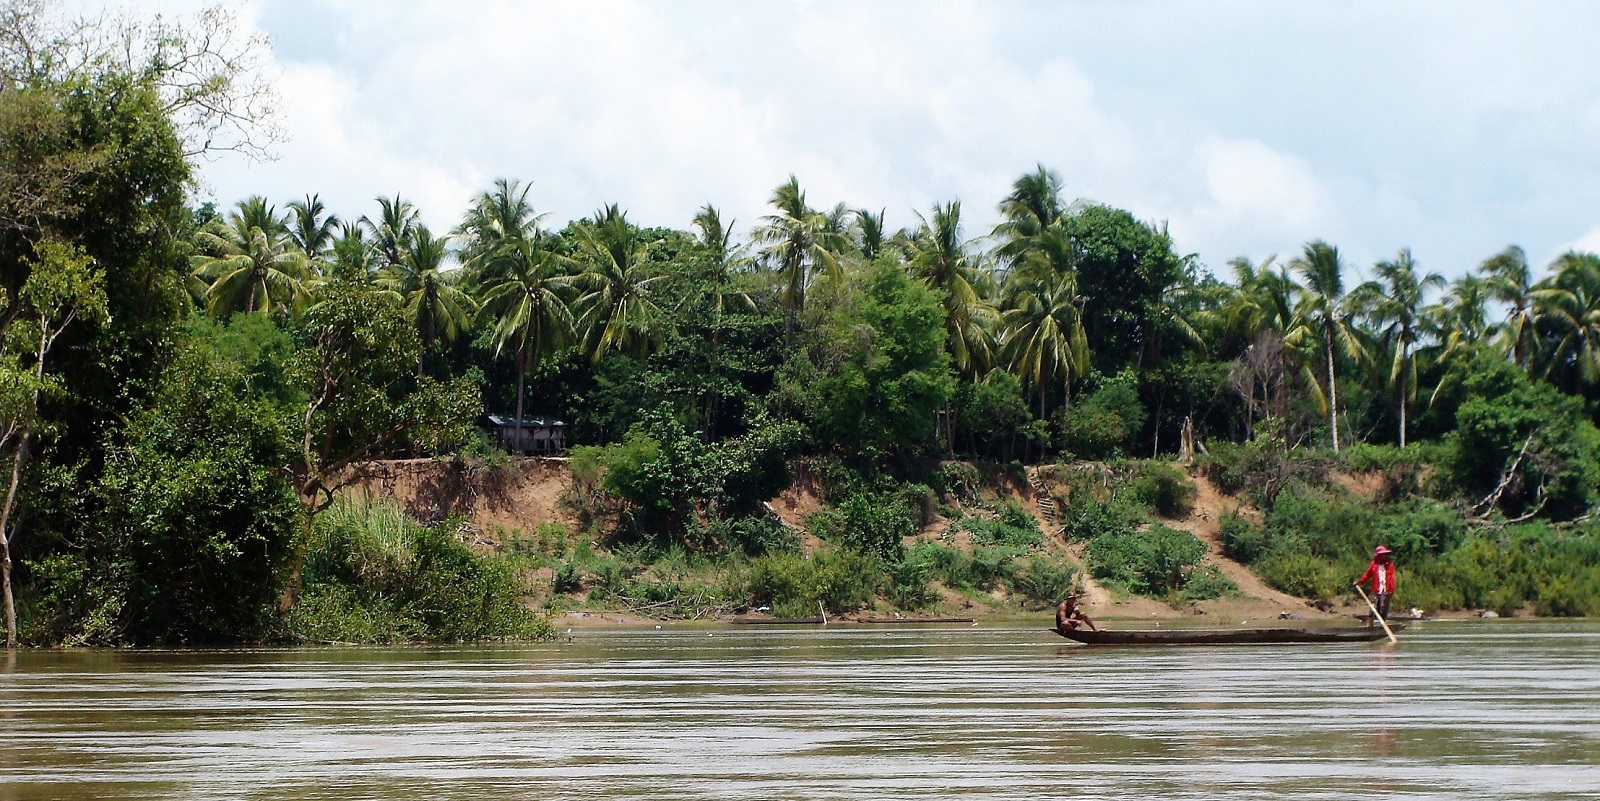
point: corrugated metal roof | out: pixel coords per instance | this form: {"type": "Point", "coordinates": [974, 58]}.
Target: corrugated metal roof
{"type": "Point", "coordinates": [510, 421]}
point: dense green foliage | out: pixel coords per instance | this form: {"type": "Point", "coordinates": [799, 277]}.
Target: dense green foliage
{"type": "Point", "coordinates": [184, 389]}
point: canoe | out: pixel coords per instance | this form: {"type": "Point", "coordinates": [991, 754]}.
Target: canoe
{"type": "Point", "coordinates": [1224, 636]}
{"type": "Point", "coordinates": [916, 620]}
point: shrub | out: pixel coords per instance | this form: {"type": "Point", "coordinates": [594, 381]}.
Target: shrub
{"type": "Point", "coordinates": [958, 480]}
{"type": "Point", "coordinates": [1013, 526]}
{"type": "Point", "coordinates": [910, 585]}
{"type": "Point", "coordinates": [1206, 583]}
{"type": "Point", "coordinates": [1164, 488]}
{"type": "Point", "coordinates": [1046, 581]}
{"type": "Point", "coordinates": [372, 575]}
{"type": "Point", "coordinates": [841, 580]}
{"type": "Point", "coordinates": [1152, 561]}
{"type": "Point", "coordinates": [754, 535]}
{"type": "Point", "coordinates": [1242, 540]}
{"type": "Point", "coordinates": [1086, 517]}
{"type": "Point", "coordinates": [1101, 424]}
{"type": "Point", "coordinates": [872, 523]}
{"type": "Point", "coordinates": [1303, 574]}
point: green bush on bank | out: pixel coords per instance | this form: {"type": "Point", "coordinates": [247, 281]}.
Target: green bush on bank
{"type": "Point", "coordinates": [372, 575]}
{"type": "Point", "coordinates": [793, 585]}
{"type": "Point", "coordinates": [1155, 560]}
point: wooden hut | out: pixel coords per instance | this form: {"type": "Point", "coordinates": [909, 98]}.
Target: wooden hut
{"type": "Point", "coordinates": [536, 435]}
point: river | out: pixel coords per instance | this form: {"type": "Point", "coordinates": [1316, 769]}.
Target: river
{"type": "Point", "coordinates": [1457, 710]}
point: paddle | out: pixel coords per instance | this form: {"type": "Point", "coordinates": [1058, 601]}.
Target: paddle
{"type": "Point", "coordinates": [1376, 616]}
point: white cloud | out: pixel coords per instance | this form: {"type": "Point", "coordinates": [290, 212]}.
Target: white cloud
{"type": "Point", "coordinates": [1197, 116]}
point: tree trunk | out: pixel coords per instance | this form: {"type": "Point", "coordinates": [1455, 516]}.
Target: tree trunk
{"type": "Point", "coordinates": [6, 535]}
{"type": "Point", "coordinates": [1333, 387]}
{"type": "Point", "coordinates": [522, 371]}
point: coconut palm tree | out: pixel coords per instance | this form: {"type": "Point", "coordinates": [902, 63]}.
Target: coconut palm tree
{"type": "Point", "coordinates": [312, 228]}
{"type": "Point", "coordinates": [1568, 307]}
{"type": "Point", "coordinates": [1044, 341]}
{"type": "Point", "coordinates": [617, 310]}
{"type": "Point", "coordinates": [725, 260]}
{"type": "Point", "coordinates": [497, 219]}
{"type": "Point", "coordinates": [396, 224]}
{"type": "Point", "coordinates": [247, 268]}
{"type": "Point", "coordinates": [943, 260]}
{"type": "Point", "coordinates": [1456, 324]}
{"type": "Point", "coordinates": [1326, 314]}
{"type": "Point", "coordinates": [801, 243]}
{"type": "Point", "coordinates": [869, 233]}
{"type": "Point", "coordinates": [1509, 281]}
{"type": "Point", "coordinates": [1394, 303]}
{"type": "Point", "coordinates": [1033, 208]}
{"type": "Point", "coordinates": [437, 308]}
{"type": "Point", "coordinates": [528, 306]}
{"type": "Point", "coordinates": [352, 256]}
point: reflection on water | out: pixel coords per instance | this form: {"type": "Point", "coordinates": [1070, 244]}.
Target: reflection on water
{"type": "Point", "coordinates": [1456, 711]}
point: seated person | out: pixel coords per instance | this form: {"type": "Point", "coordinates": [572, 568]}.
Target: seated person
{"type": "Point", "coordinates": [1069, 616]}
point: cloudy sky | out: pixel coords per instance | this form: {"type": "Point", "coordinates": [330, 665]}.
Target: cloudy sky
{"type": "Point", "coordinates": [1450, 128]}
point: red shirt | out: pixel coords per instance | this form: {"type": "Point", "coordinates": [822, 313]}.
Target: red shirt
{"type": "Point", "coordinates": [1381, 574]}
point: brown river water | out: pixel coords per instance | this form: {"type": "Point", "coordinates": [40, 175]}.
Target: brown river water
{"type": "Point", "coordinates": [1457, 710]}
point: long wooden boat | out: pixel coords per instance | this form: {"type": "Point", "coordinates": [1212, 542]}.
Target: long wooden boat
{"type": "Point", "coordinates": [1223, 636]}
{"type": "Point", "coordinates": [909, 620]}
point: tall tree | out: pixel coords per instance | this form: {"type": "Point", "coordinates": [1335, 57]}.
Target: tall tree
{"type": "Point", "coordinates": [1327, 313]}
{"type": "Point", "coordinates": [944, 262]}
{"type": "Point", "coordinates": [435, 306]}
{"type": "Point", "coordinates": [248, 267]}
{"type": "Point", "coordinates": [396, 224]}
{"type": "Point", "coordinates": [63, 285]}
{"type": "Point", "coordinates": [1568, 306]}
{"type": "Point", "coordinates": [528, 309]}
{"type": "Point", "coordinates": [1044, 341]}
{"type": "Point", "coordinates": [801, 243]}
{"type": "Point", "coordinates": [1394, 304]}
{"type": "Point", "coordinates": [617, 311]}
{"type": "Point", "coordinates": [1510, 282]}
{"type": "Point", "coordinates": [497, 221]}
{"type": "Point", "coordinates": [312, 228]}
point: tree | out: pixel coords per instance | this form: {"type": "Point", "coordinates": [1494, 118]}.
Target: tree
{"type": "Point", "coordinates": [527, 310]}
{"type": "Point", "coordinates": [497, 221]}
{"type": "Point", "coordinates": [312, 228]}
{"type": "Point", "coordinates": [63, 286]}
{"type": "Point", "coordinates": [1567, 305]}
{"type": "Point", "coordinates": [1044, 340]}
{"type": "Point", "coordinates": [393, 230]}
{"type": "Point", "coordinates": [617, 311]}
{"type": "Point", "coordinates": [251, 265]}
{"type": "Point", "coordinates": [801, 244]}
{"type": "Point", "coordinates": [1394, 303]}
{"type": "Point", "coordinates": [1508, 279]}
{"type": "Point", "coordinates": [1125, 269]}
{"type": "Point", "coordinates": [436, 308]}
{"type": "Point", "coordinates": [1327, 314]}
{"type": "Point", "coordinates": [943, 261]}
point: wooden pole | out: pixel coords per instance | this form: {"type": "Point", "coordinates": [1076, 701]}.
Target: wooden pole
{"type": "Point", "coordinates": [1376, 616]}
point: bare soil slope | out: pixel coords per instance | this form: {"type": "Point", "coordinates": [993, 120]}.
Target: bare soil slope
{"type": "Point", "coordinates": [519, 496]}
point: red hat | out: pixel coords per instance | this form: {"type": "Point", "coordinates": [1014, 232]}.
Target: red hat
{"type": "Point", "coordinates": [1381, 550]}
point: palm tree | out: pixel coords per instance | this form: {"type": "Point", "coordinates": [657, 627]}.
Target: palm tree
{"type": "Point", "coordinates": [527, 307]}
{"type": "Point", "coordinates": [312, 227]}
{"type": "Point", "coordinates": [617, 311]}
{"type": "Point", "coordinates": [1044, 339]}
{"type": "Point", "coordinates": [1508, 278]}
{"type": "Point", "coordinates": [1456, 324]}
{"type": "Point", "coordinates": [1394, 303]}
{"type": "Point", "coordinates": [248, 268]}
{"type": "Point", "coordinates": [725, 260]}
{"type": "Point", "coordinates": [392, 231]}
{"type": "Point", "coordinates": [1326, 313]}
{"type": "Point", "coordinates": [1033, 213]}
{"type": "Point", "coordinates": [498, 219]}
{"type": "Point", "coordinates": [1568, 306]}
{"type": "Point", "coordinates": [943, 261]}
{"type": "Point", "coordinates": [869, 233]}
{"type": "Point", "coordinates": [438, 309]}
{"type": "Point", "coordinates": [353, 257]}
{"type": "Point", "coordinates": [801, 243]}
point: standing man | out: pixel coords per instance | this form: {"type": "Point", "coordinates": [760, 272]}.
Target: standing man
{"type": "Point", "coordinates": [1381, 575]}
